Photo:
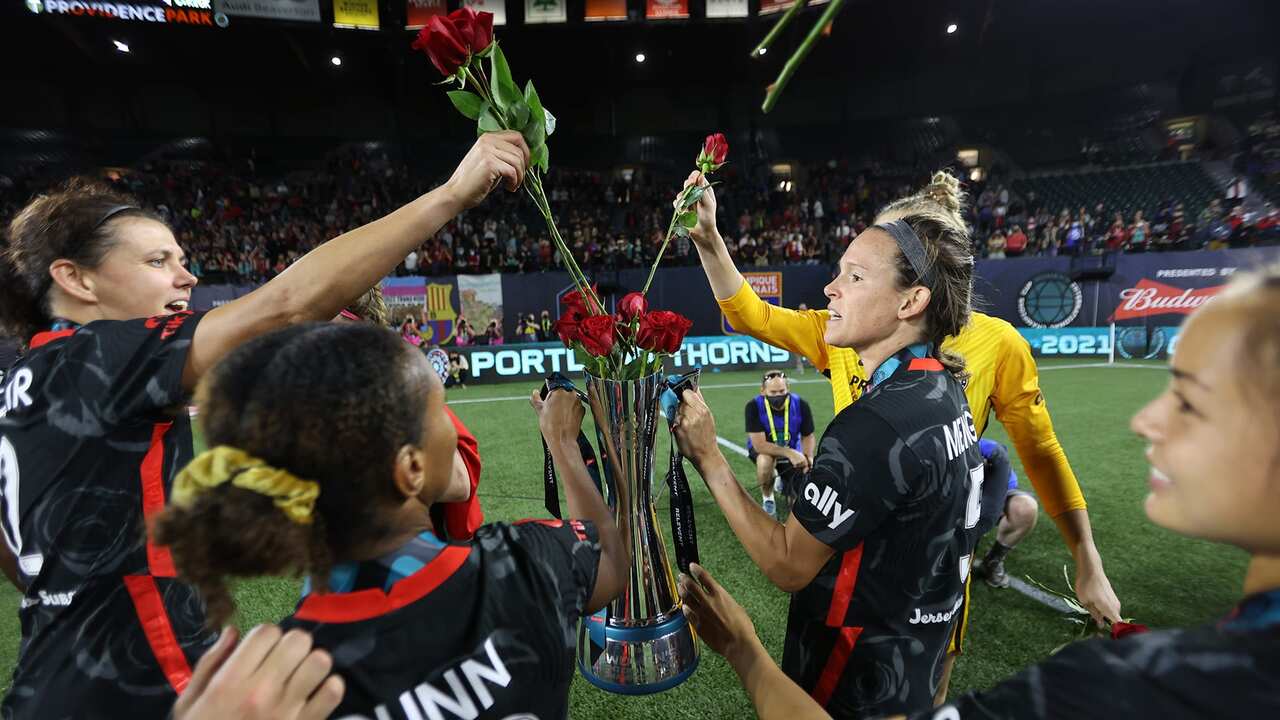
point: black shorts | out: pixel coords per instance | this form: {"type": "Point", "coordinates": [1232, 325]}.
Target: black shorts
{"type": "Point", "coordinates": [780, 465]}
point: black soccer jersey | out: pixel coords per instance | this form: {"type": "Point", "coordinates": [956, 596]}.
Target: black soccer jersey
{"type": "Point", "coordinates": [93, 427]}
{"type": "Point", "coordinates": [1230, 670]}
{"type": "Point", "coordinates": [485, 629]}
{"type": "Point", "coordinates": [895, 491]}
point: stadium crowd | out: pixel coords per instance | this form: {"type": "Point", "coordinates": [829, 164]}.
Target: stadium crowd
{"type": "Point", "coordinates": [238, 226]}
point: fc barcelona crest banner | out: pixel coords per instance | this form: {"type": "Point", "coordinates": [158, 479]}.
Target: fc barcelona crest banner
{"type": "Point", "coordinates": [666, 9]}
{"type": "Point", "coordinates": [433, 307]}
{"type": "Point", "coordinates": [768, 285]}
{"type": "Point", "coordinates": [497, 7]}
{"type": "Point", "coordinates": [726, 8]}
{"type": "Point", "coordinates": [418, 12]}
{"type": "Point", "coordinates": [544, 11]}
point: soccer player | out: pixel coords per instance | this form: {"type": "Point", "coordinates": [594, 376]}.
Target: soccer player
{"type": "Point", "coordinates": [93, 427]}
{"type": "Point", "coordinates": [1016, 521]}
{"type": "Point", "coordinates": [879, 543]}
{"type": "Point", "coordinates": [779, 435]}
{"type": "Point", "coordinates": [329, 442]}
{"type": "Point", "coordinates": [1002, 377]}
{"type": "Point", "coordinates": [1217, 417]}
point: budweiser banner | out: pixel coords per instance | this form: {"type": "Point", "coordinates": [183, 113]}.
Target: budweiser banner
{"type": "Point", "coordinates": [419, 12]}
{"type": "Point", "coordinates": [544, 11]}
{"type": "Point", "coordinates": [1139, 289]}
{"type": "Point", "coordinates": [727, 8]}
{"type": "Point", "coordinates": [606, 10]}
{"type": "Point", "coordinates": [359, 14]}
{"type": "Point", "coordinates": [497, 7]}
{"type": "Point", "coordinates": [768, 7]}
{"type": "Point", "coordinates": [295, 10]}
{"type": "Point", "coordinates": [666, 9]}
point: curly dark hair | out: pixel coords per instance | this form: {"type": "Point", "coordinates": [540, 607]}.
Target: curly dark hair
{"type": "Point", "coordinates": [328, 402]}
{"type": "Point", "coordinates": [77, 221]}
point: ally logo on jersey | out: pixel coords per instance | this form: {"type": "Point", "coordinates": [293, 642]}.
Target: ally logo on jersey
{"type": "Point", "coordinates": [824, 499]}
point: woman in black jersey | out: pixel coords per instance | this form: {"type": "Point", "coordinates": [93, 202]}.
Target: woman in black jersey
{"type": "Point", "coordinates": [322, 463]}
{"type": "Point", "coordinates": [881, 537]}
{"type": "Point", "coordinates": [93, 427]}
{"type": "Point", "coordinates": [1215, 475]}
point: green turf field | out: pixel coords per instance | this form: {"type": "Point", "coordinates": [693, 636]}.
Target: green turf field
{"type": "Point", "coordinates": [1161, 579]}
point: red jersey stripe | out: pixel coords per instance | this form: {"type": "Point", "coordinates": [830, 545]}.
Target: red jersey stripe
{"type": "Point", "coordinates": [151, 472]}
{"type": "Point", "coordinates": [835, 664]}
{"type": "Point", "coordinates": [44, 338]}
{"type": "Point", "coordinates": [846, 580]}
{"type": "Point", "coordinates": [158, 630]}
{"type": "Point", "coordinates": [927, 364]}
{"type": "Point", "coordinates": [372, 603]}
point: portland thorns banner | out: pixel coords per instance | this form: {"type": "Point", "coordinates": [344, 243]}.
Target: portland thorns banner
{"type": "Point", "coordinates": [419, 12]}
{"type": "Point", "coordinates": [666, 9]}
{"type": "Point", "coordinates": [497, 7]}
{"type": "Point", "coordinates": [544, 11]}
{"type": "Point", "coordinates": [357, 14]}
{"type": "Point", "coordinates": [606, 10]}
{"type": "Point", "coordinates": [727, 8]}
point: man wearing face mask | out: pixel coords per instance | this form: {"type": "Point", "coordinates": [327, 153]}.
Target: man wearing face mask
{"type": "Point", "coordinates": [779, 435]}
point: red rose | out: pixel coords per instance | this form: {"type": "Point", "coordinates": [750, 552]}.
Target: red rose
{"type": "Point", "coordinates": [567, 327]}
{"type": "Point", "coordinates": [716, 148]}
{"type": "Point", "coordinates": [1121, 629]}
{"type": "Point", "coordinates": [443, 44]}
{"type": "Point", "coordinates": [662, 331]}
{"type": "Point", "coordinates": [596, 334]}
{"type": "Point", "coordinates": [632, 305]}
{"type": "Point", "coordinates": [474, 29]}
{"type": "Point", "coordinates": [576, 301]}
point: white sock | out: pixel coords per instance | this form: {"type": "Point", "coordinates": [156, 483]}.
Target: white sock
{"type": "Point", "coordinates": [767, 496]}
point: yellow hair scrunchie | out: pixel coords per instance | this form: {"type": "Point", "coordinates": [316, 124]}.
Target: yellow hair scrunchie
{"type": "Point", "coordinates": [211, 468]}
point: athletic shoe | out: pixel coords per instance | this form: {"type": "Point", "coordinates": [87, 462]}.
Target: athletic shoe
{"type": "Point", "coordinates": [995, 575]}
{"type": "Point", "coordinates": [778, 486]}
{"type": "Point", "coordinates": [770, 507]}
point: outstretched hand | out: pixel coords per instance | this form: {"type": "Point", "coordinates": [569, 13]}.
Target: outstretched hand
{"type": "Point", "coordinates": [720, 621]}
{"type": "Point", "coordinates": [704, 234]}
{"type": "Point", "coordinates": [495, 158]}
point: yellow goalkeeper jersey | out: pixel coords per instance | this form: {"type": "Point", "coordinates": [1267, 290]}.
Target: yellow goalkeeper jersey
{"type": "Point", "coordinates": [1003, 378]}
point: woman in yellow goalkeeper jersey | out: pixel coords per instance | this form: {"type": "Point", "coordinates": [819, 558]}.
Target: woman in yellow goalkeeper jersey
{"type": "Point", "coordinates": [1003, 378]}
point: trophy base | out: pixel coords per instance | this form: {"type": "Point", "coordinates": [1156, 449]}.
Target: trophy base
{"type": "Point", "coordinates": [636, 660]}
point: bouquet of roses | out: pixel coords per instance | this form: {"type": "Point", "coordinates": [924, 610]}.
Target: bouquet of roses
{"type": "Point", "coordinates": [632, 342]}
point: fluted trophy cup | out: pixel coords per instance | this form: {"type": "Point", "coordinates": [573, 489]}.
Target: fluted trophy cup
{"type": "Point", "coordinates": [641, 642]}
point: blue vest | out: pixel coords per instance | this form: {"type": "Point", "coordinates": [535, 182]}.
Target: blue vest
{"type": "Point", "coordinates": [776, 433]}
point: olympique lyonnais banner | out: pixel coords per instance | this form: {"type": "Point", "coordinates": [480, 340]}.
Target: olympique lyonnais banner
{"type": "Point", "coordinates": [768, 285]}
{"type": "Point", "coordinates": [544, 11]}
{"type": "Point", "coordinates": [497, 7]}
{"type": "Point", "coordinates": [606, 10]}
{"type": "Point", "coordinates": [293, 10]}
{"type": "Point", "coordinates": [182, 12]}
{"type": "Point", "coordinates": [537, 360]}
{"type": "Point", "coordinates": [727, 8]}
{"type": "Point", "coordinates": [666, 9]}
{"type": "Point", "coordinates": [419, 12]}
{"type": "Point", "coordinates": [768, 7]}
{"type": "Point", "coordinates": [358, 14]}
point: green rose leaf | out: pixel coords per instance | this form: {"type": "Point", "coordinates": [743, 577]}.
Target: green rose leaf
{"type": "Point", "coordinates": [692, 197]}
{"type": "Point", "coordinates": [467, 103]}
{"type": "Point", "coordinates": [504, 90]}
{"type": "Point", "coordinates": [689, 219]}
{"type": "Point", "coordinates": [540, 157]}
{"type": "Point", "coordinates": [518, 113]}
{"type": "Point", "coordinates": [489, 121]}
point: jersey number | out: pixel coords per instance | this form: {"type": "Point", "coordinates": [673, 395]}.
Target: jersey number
{"type": "Point", "coordinates": [973, 508]}
{"type": "Point", "coordinates": [9, 494]}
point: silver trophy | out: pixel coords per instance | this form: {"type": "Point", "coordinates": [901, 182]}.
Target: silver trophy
{"type": "Point", "coordinates": [641, 643]}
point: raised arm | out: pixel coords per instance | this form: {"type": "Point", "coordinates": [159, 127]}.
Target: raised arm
{"type": "Point", "coordinates": [796, 330]}
{"type": "Point", "coordinates": [326, 279]}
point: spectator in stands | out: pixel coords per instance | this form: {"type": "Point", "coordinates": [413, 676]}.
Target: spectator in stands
{"type": "Point", "coordinates": [1016, 243]}
{"type": "Point", "coordinates": [1117, 236]}
{"type": "Point", "coordinates": [493, 333]}
{"type": "Point", "coordinates": [1139, 233]}
{"type": "Point", "coordinates": [996, 245]}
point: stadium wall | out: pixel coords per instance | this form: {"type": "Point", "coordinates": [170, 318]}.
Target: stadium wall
{"type": "Point", "coordinates": [1064, 306]}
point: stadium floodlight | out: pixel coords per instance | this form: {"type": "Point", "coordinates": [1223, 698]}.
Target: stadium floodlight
{"type": "Point", "coordinates": [951, 29]}
{"type": "Point", "coordinates": [120, 47]}
{"type": "Point", "coordinates": [764, 50]}
{"type": "Point", "coordinates": [337, 61]}
{"type": "Point", "coordinates": [639, 57]}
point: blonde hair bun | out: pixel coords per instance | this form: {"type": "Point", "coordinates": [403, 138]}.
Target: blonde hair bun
{"type": "Point", "coordinates": [944, 189]}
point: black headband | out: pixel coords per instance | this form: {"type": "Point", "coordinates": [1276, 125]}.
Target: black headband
{"type": "Point", "coordinates": [111, 212]}
{"type": "Point", "coordinates": [911, 246]}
